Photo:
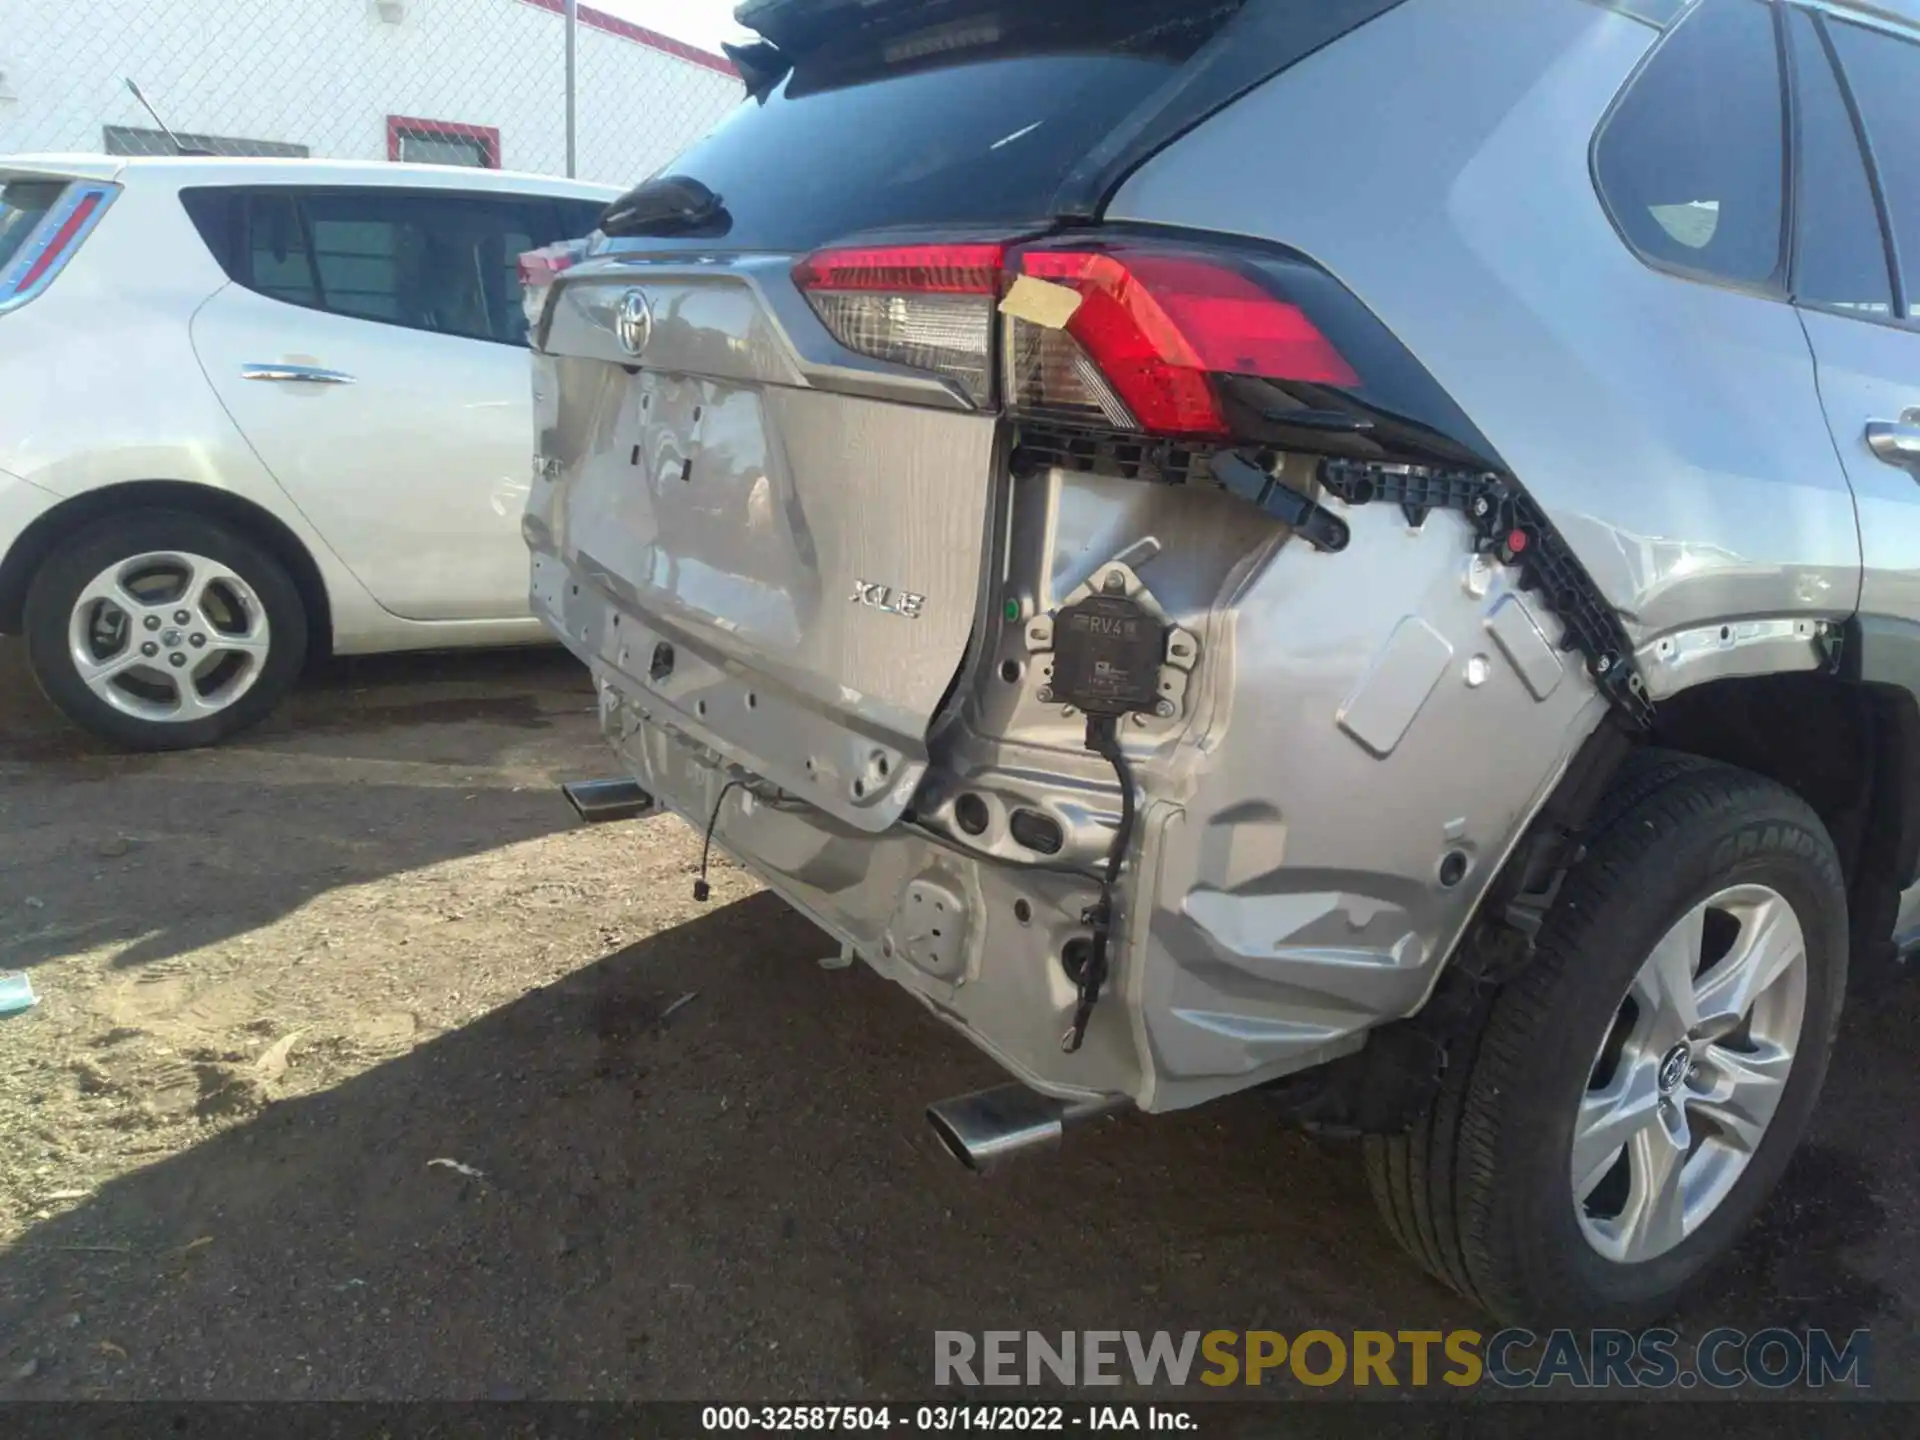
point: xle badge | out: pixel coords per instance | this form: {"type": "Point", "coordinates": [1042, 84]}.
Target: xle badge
{"type": "Point", "coordinates": [884, 597]}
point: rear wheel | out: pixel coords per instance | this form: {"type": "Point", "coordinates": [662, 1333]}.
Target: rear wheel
{"type": "Point", "coordinates": [161, 630]}
{"type": "Point", "coordinates": [1635, 1093]}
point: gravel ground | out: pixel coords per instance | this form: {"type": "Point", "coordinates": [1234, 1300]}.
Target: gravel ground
{"type": "Point", "coordinates": [286, 982]}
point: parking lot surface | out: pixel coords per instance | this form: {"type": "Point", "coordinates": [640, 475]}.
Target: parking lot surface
{"type": "Point", "coordinates": [362, 1071]}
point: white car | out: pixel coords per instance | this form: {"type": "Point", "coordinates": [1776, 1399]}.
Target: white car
{"type": "Point", "coordinates": [255, 410]}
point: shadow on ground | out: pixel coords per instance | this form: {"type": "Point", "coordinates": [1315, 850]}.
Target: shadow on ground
{"type": "Point", "coordinates": [373, 768]}
{"type": "Point", "coordinates": [474, 690]}
{"type": "Point", "coordinates": [742, 1199]}
{"type": "Point", "coordinates": [739, 1199]}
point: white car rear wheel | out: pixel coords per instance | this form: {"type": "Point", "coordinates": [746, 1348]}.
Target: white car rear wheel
{"type": "Point", "coordinates": [161, 630]}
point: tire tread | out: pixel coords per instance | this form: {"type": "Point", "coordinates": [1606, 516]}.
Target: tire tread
{"type": "Point", "coordinates": [1438, 1183]}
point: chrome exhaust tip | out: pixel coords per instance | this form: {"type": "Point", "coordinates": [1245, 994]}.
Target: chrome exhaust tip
{"type": "Point", "coordinates": [988, 1127]}
{"type": "Point", "coordinates": [598, 801]}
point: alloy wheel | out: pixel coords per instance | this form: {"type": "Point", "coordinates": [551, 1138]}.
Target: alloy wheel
{"type": "Point", "coordinates": [168, 636]}
{"type": "Point", "coordinates": [1690, 1073]}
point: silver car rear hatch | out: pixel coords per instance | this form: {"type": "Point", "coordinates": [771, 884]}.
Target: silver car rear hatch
{"type": "Point", "coordinates": [796, 544]}
{"type": "Point", "coordinates": [779, 543]}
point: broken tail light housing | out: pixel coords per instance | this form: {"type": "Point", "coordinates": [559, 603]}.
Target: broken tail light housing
{"type": "Point", "coordinates": [1129, 335]}
{"type": "Point", "coordinates": [1151, 332]}
{"type": "Point", "coordinates": [929, 307]}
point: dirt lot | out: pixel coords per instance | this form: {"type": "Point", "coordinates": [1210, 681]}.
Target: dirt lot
{"type": "Point", "coordinates": [283, 981]}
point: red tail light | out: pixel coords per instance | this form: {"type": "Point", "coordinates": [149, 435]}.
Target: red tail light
{"type": "Point", "coordinates": [905, 269]}
{"type": "Point", "coordinates": [925, 306]}
{"type": "Point", "coordinates": [1156, 325]}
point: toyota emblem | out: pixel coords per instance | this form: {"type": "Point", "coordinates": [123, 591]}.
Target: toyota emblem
{"type": "Point", "coordinates": [633, 322]}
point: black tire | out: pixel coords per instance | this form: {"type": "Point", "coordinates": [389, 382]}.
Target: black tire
{"type": "Point", "coordinates": [1479, 1191]}
{"type": "Point", "coordinates": [72, 566]}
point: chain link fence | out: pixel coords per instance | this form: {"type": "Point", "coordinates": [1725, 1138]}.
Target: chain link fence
{"type": "Point", "coordinates": [466, 82]}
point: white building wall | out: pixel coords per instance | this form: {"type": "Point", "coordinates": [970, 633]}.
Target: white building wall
{"type": "Point", "coordinates": [327, 74]}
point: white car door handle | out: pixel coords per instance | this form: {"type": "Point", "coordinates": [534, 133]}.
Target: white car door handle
{"type": "Point", "coordinates": [303, 374]}
{"type": "Point", "coordinates": [1897, 444]}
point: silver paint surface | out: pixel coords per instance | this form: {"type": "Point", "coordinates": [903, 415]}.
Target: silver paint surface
{"type": "Point", "coordinates": [1345, 722]}
{"type": "Point", "coordinates": [1672, 429]}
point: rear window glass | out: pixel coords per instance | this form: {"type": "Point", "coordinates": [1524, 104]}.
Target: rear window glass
{"type": "Point", "coordinates": [974, 120]}
{"type": "Point", "coordinates": [440, 261]}
{"type": "Point", "coordinates": [23, 203]}
{"type": "Point", "coordinates": [1692, 163]}
{"type": "Point", "coordinates": [578, 217]}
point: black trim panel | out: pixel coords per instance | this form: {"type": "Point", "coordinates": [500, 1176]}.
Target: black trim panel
{"type": "Point", "coordinates": [1509, 525]}
{"type": "Point", "coordinates": [1880, 650]}
{"type": "Point", "coordinates": [1884, 652]}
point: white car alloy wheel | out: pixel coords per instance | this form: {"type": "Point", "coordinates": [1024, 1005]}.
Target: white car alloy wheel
{"type": "Point", "coordinates": [1690, 1073]}
{"type": "Point", "coordinates": [168, 636]}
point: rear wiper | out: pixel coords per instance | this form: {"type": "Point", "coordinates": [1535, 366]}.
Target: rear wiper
{"type": "Point", "coordinates": [667, 205]}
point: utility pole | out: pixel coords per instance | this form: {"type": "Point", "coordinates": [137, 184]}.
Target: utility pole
{"type": "Point", "coordinates": [572, 11]}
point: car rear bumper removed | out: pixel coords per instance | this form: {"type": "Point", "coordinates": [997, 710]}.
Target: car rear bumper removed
{"type": "Point", "coordinates": [1313, 836]}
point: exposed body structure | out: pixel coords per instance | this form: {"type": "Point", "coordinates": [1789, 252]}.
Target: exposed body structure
{"type": "Point", "coordinates": [1527, 554]}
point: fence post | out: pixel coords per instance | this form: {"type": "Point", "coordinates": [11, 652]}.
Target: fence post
{"type": "Point", "coordinates": [572, 11]}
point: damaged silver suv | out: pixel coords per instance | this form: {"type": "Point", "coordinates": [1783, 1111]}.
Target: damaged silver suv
{"type": "Point", "coordinates": [1369, 549]}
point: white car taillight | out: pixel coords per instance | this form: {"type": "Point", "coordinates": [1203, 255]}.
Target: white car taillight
{"type": "Point", "coordinates": [926, 306]}
{"type": "Point", "coordinates": [539, 269]}
{"type": "Point", "coordinates": [60, 233]}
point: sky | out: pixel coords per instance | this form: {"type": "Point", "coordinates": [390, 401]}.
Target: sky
{"type": "Point", "coordinates": [698, 22]}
